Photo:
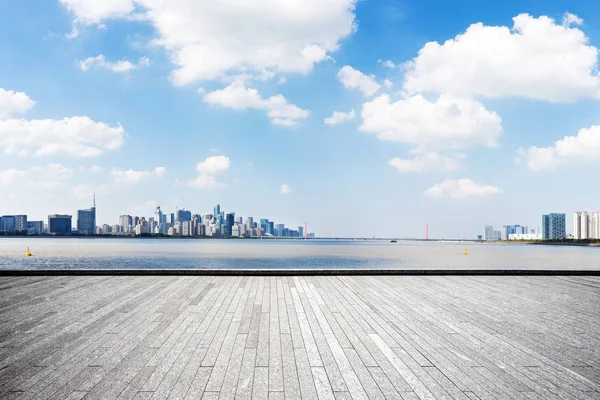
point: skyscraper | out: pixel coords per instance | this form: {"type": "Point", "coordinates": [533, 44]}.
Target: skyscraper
{"type": "Point", "coordinates": [86, 220]}
{"type": "Point", "coordinates": [553, 226]}
{"type": "Point", "coordinates": [217, 212]}
{"type": "Point", "coordinates": [183, 216]}
{"type": "Point", "coordinates": [229, 219]}
{"type": "Point", "coordinates": [126, 223]}
{"type": "Point", "coordinates": [595, 225]}
{"type": "Point", "coordinates": [158, 215]}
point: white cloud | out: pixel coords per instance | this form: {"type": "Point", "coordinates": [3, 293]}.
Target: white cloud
{"type": "Point", "coordinates": [86, 192]}
{"type": "Point", "coordinates": [387, 83]}
{"type": "Point", "coordinates": [571, 19]}
{"type": "Point", "coordinates": [133, 176]}
{"type": "Point", "coordinates": [446, 123]}
{"type": "Point", "coordinates": [536, 58]}
{"type": "Point", "coordinates": [428, 162]}
{"type": "Point", "coordinates": [354, 79]}
{"type": "Point", "coordinates": [208, 42]}
{"type": "Point", "coordinates": [388, 63]}
{"type": "Point", "coordinates": [116, 66]}
{"type": "Point", "coordinates": [286, 189]}
{"type": "Point", "coordinates": [461, 189]}
{"type": "Point", "coordinates": [282, 80]}
{"type": "Point", "coordinates": [10, 176]}
{"type": "Point", "coordinates": [208, 171]}
{"type": "Point", "coordinates": [339, 116]}
{"type": "Point", "coordinates": [239, 97]}
{"type": "Point", "coordinates": [73, 136]}
{"type": "Point", "coordinates": [583, 148]}
{"type": "Point", "coordinates": [12, 103]}
{"type": "Point", "coordinates": [73, 34]}
{"type": "Point", "coordinates": [92, 12]}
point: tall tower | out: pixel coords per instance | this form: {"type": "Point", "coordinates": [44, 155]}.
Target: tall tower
{"type": "Point", "coordinates": [305, 230]}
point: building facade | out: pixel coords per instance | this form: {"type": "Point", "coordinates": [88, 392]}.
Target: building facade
{"type": "Point", "coordinates": [59, 224]}
{"type": "Point", "coordinates": [86, 221]}
{"type": "Point", "coordinates": [554, 226]}
{"type": "Point", "coordinates": [35, 227]}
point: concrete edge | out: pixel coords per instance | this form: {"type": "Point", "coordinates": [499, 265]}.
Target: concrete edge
{"type": "Point", "coordinates": [292, 272]}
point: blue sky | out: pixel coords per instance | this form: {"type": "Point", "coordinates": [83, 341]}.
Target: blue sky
{"type": "Point", "coordinates": [184, 104]}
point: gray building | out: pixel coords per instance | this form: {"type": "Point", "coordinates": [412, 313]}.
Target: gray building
{"type": "Point", "coordinates": [35, 227]}
{"type": "Point", "coordinates": [86, 220]}
{"type": "Point", "coordinates": [20, 223]}
{"type": "Point", "coordinates": [59, 224]}
{"type": "Point", "coordinates": [554, 226]}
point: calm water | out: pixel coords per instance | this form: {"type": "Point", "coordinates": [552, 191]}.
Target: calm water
{"type": "Point", "coordinates": [263, 254]}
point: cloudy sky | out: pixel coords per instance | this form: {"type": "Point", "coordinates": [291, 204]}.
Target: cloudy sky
{"type": "Point", "coordinates": [363, 118]}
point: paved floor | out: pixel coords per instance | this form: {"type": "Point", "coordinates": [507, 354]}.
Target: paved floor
{"type": "Point", "coordinates": [336, 337]}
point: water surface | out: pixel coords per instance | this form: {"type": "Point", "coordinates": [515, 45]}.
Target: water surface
{"type": "Point", "coordinates": [76, 253]}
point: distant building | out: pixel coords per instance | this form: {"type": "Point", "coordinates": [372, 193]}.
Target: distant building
{"type": "Point", "coordinates": [20, 223]}
{"type": "Point", "coordinates": [491, 234]}
{"type": "Point", "coordinates": [300, 231]}
{"type": "Point", "coordinates": [217, 212]}
{"type": "Point", "coordinates": [126, 223]}
{"type": "Point", "coordinates": [183, 216]}
{"type": "Point", "coordinates": [59, 224]}
{"type": "Point", "coordinates": [524, 236]}
{"type": "Point", "coordinates": [229, 221]}
{"type": "Point", "coordinates": [554, 226]}
{"type": "Point", "coordinates": [581, 225]}
{"type": "Point", "coordinates": [7, 224]}
{"type": "Point", "coordinates": [86, 221]}
{"type": "Point", "coordinates": [158, 215]}
{"type": "Point", "coordinates": [35, 227]}
{"type": "Point", "coordinates": [595, 225]}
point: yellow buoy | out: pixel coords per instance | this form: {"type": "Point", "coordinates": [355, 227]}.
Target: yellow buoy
{"type": "Point", "coordinates": [465, 251]}
{"type": "Point", "coordinates": [27, 253]}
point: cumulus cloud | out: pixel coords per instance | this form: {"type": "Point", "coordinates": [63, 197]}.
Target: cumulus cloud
{"type": "Point", "coordinates": [354, 79]}
{"type": "Point", "coordinates": [14, 103]}
{"type": "Point", "coordinates": [92, 12]}
{"type": "Point", "coordinates": [536, 58]}
{"type": "Point", "coordinates": [208, 170]}
{"type": "Point", "coordinates": [116, 66]}
{"type": "Point", "coordinates": [286, 189]}
{"type": "Point", "coordinates": [339, 117]}
{"type": "Point", "coordinates": [571, 19]}
{"type": "Point", "coordinates": [428, 162]}
{"type": "Point", "coordinates": [448, 122]}
{"type": "Point", "coordinates": [461, 189]}
{"type": "Point", "coordinates": [582, 148]}
{"type": "Point", "coordinates": [240, 97]}
{"type": "Point", "coordinates": [133, 176]}
{"type": "Point", "coordinates": [208, 42]}
{"type": "Point", "coordinates": [73, 136]}
{"type": "Point", "coordinates": [387, 83]}
{"type": "Point", "coordinates": [86, 192]}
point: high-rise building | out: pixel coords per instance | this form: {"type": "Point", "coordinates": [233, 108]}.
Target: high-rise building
{"type": "Point", "coordinates": [183, 216]}
{"type": "Point", "coordinates": [583, 225]}
{"type": "Point", "coordinates": [7, 223]}
{"type": "Point", "coordinates": [217, 211]}
{"type": "Point", "coordinates": [59, 224]}
{"type": "Point", "coordinates": [554, 226]}
{"type": "Point", "coordinates": [126, 223]}
{"type": "Point", "coordinates": [270, 228]}
{"type": "Point", "coordinates": [300, 231]}
{"type": "Point", "coordinates": [229, 218]}
{"type": "Point", "coordinates": [86, 220]}
{"type": "Point", "coordinates": [158, 215]}
{"type": "Point", "coordinates": [279, 229]}
{"type": "Point", "coordinates": [595, 225]}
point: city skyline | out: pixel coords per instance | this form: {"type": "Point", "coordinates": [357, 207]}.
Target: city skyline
{"type": "Point", "coordinates": [357, 116]}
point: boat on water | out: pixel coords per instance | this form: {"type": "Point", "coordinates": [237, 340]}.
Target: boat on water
{"type": "Point", "coordinates": [393, 241]}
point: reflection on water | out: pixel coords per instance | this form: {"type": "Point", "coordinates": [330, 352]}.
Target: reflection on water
{"type": "Point", "coordinates": [74, 253]}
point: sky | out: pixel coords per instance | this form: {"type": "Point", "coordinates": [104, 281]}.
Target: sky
{"type": "Point", "coordinates": [362, 118]}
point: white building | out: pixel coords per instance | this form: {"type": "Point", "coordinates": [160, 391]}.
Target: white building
{"type": "Point", "coordinates": [524, 236]}
{"type": "Point", "coordinates": [595, 225]}
{"type": "Point", "coordinates": [581, 225]}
